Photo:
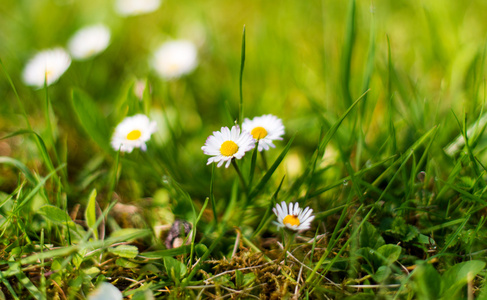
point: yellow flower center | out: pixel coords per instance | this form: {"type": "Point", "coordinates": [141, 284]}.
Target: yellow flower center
{"type": "Point", "coordinates": [173, 67]}
{"type": "Point", "coordinates": [47, 75]}
{"type": "Point", "coordinates": [134, 135]}
{"type": "Point", "coordinates": [259, 133]}
{"type": "Point", "coordinates": [291, 220]}
{"type": "Point", "coordinates": [228, 148]}
{"type": "Point", "coordinates": [90, 52]}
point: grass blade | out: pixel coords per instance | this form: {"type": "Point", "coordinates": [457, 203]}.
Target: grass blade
{"type": "Point", "coordinates": [271, 171]}
{"type": "Point", "coordinates": [91, 118]}
{"type": "Point", "coordinates": [242, 64]}
{"type": "Point", "coordinates": [19, 165]}
{"type": "Point", "coordinates": [34, 191]}
{"type": "Point", "coordinates": [331, 132]}
{"type": "Point", "coordinates": [347, 53]}
{"type": "Point", "coordinates": [90, 213]}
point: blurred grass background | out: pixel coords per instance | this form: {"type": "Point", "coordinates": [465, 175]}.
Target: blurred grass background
{"type": "Point", "coordinates": [295, 61]}
{"type": "Point", "coordinates": [422, 63]}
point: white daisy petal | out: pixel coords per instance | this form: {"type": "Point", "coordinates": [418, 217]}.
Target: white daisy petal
{"type": "Point", "coordinates": [46, 66]}
{"type": "Point", "coordinates": [136, 7]}
{"type": "Point", "coordinates": [266, 129]}
{"type": "Point", "coordinates": [311, 218]}
{"type": "Point", "coordinates": [132, 133]}
{"type": "Point", "coordinates": [297, 209]}
{"type": "Point", "coordinates": [226, 145]}
{"type": "Point", "coordinates": [105, 291]}
{"type": "Point", "coordinates": [174, 59]}
{"type": "Point", "coordinates": [89, 41]}
{"type": "Point", "coordinates": [307, 215]}
{"type": "Point", "coordinates": [303, 212]}
{"type": "Point", "coordinates": [291, 208]}
{"type": "Point", "coordinates": [295, 218]}
{"type": "Point", "coordinates": [284, 209]}
{"type": "Point", "coordinates": [280, 212]}
{"type": "Point", "coordinates": [228, 163]}
{"type": "Point", "coordinates": [274, 209]}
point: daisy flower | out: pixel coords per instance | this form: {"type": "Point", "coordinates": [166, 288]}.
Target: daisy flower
{"type": "Point", "coordinates": [132, 133]}
{"type": "Point", "coordinates": [136, 7]}
{"type": "Point", "coordinates": [226, 144]}
{"type": "Point", "coordinates": [174, 59]}
{"type": "Point", "coordinates": [89, 41]}
{"type": "Point", "coordinates": [264, 129]}
{"type": "Point", "coordinates": [295, 218]}
{"type": "Point", "coordinates": [46, 66]}
{"type": "Point", "coordinates": [105, 291]}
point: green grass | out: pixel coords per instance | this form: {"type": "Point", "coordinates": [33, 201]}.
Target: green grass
{"type": "Point", "coordinates": [383, 105]}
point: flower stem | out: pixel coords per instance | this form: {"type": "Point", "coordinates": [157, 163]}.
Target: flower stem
{"type": "Point", "coordinates": [242, 179]}
{"type": "Point", "coordinates": [212, 196]}
{"type": "Point", "coordinates": [288, 241]}
{"type": "Point", "coordinates": [264, 160]}
{"type": "Point", "coordinates": [246, 191]}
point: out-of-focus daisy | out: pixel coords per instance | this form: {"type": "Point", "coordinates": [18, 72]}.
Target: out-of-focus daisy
{"type": "Point", "coordinates": [264, 129]}
{"type": "Point", "coordinates": [294, 218]}
{"type": "Point", "coordinates": [226, 144]}
{"type": "Point", "coordinates": [105, 291]}
{"type": "Point", "coordinates": [46, 66]}
{"type": "Point", "coordinates": [89, 41]}
{"type": "Point", "coordinates": [132, 133]}
{"type": "Point", "coordinates": [136, 7]}
{"type": "Point", "coordinates": [174, 59]}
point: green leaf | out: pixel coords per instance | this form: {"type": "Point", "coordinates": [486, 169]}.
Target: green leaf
{"type": "Point", "coordinates": [129, 234]}
{"type": "Point", "coordinates": [389, 253]}
{"type": "Point", "coordinates": [411, 233]}
{"type": "Point", "coordinates": [372, 259]}
{"type": "Point", "coordinates": [91, 272]}
{"type": "Point", "coordinates": [25, 281]}
{"type": "Point", "coordinates": [200, 249]}
{"type": "Point", "coordinates": [426, 282]}
{"type": "Point", "coordinates": [54, 214]}
{"type": "Point", "coordinates": [11, 161]}
{"type": "Point", "coordinates": [125, 251]}
{"type": "Point", "coordinates": [399, 227]}
{"type": "Point", "coordinates": [238, 279]}
{"type": "Point", "coordinates": [384, 256]}
{"type": "Point", "coordinates": [168, 253]}
{"type": "Point", "coordinates": [91, 118]}
{"type": "Point", "coordinates": [77, 259]}
{"type": "Point", "coordinates": [382, 274]}
{"type": "Point", "coordinates": [369, 237]}
{"type": "Point", "coordinates": [174, 267]}
{"type": "Point", "coordinates": [455, 278]}
{"type": "Point", "coordinates": [424, 239]}
{"type": "Point", "coordinates": [361, 296]}
{"type": "Point", "coordinates": [225, 280]}
{"type": "Point", "coordinates": [242, 280]}
{"type": "Point", "coordinates": [483, 293]}
{"type": "Point", "coordinates": [248, 279]}
{"type": "Point", "coordinates": [143, 295]}
{"type": "Point", "coordinates": [124, 263]}
{"type": "Point", "coordinates": [90, 213]}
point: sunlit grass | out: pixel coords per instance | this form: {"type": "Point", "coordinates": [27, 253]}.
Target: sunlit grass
{"type": "Point", "coordinates": [382, 105]}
